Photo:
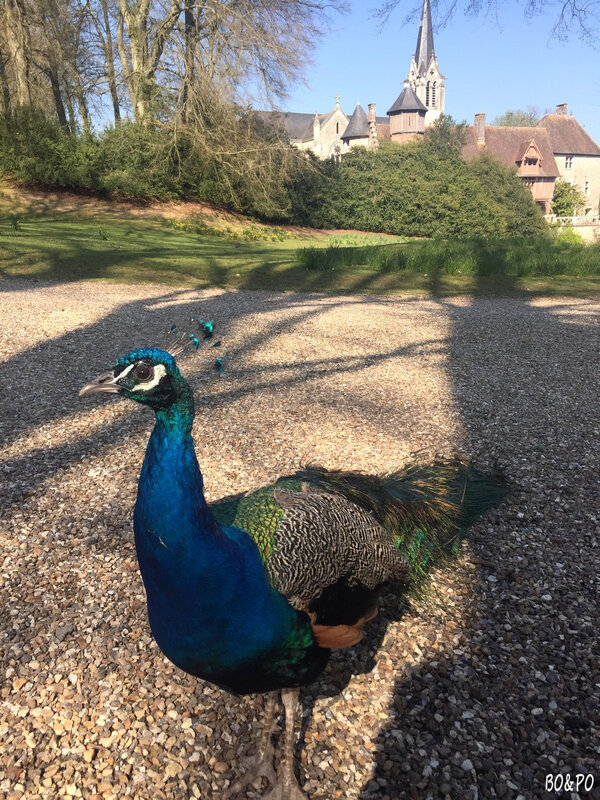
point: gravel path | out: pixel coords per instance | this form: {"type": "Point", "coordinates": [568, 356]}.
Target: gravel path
{"type": "Point", "coordinates": [478, 697]}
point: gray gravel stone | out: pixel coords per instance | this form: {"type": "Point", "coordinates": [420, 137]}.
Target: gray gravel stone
{"type": "Point", "coordinates": [89, 706]}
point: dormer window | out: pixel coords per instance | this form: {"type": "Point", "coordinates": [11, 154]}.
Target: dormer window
{"type": "Point", "coordinates": [530, 161]}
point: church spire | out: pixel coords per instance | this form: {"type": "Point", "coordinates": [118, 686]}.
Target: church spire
{"type": "Point", "coordinates": [424, 76]}
{"type": "Point", "coordinates": [424, 50]}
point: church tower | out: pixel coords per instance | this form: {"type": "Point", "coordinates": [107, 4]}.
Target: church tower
{"type": "Point", "coordinates": [424, 75]}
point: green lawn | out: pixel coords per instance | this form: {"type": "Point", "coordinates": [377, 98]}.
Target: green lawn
{"type": "Point", "coordinates": [67, 245]}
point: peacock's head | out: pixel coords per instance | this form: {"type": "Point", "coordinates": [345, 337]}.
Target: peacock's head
{"type": "Point", "coordinates": [147, 375]}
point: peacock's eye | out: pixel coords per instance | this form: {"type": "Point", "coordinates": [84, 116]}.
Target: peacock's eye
{"type": "Point", "coordinates": [142, 372]}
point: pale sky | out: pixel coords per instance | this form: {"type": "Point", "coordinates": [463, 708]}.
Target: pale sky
{"type": "Point", "coordinates": [489, 66]}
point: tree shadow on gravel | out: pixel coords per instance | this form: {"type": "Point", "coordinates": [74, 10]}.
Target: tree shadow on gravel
{"type": "Point", "coordinates": [518, 375]}
{"type": "Point", "coordinates": [44, 379]}
{"type": "Point", "coordinates": [516, 701]}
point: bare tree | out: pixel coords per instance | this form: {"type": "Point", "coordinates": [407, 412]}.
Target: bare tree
{"type": "Point", "coordinates": [570, 16]}
{"type": "Point", "coordinates": [166, 47]}
{"type": "Point", "coordinates": [148, 26]}
{"type": "Point", "coordinates": [104, 18]}
{"type": "Point", "coordinates": [4, 84]}
{"type": "Point", "coordinates": [519, 117]}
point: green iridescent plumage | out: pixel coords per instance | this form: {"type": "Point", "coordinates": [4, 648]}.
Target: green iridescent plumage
{"type": "Point", "coordinates": [427, 508]}
{"type": "Point", "coordinates": [257, 513]}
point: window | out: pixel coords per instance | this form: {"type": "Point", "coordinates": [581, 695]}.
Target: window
{"type": "Point", "coordinates": [530, 161]}
{"type": "Point", "coordinates": [586, 188]}
{"type": "Point", "coordinates": [434, 94]}
{"type": "Point", "coordinates": [568, 162]}
{"type": "Point", "coordinates": [337, 127]}
{"type": "Point", "coordinates": [427, 93]}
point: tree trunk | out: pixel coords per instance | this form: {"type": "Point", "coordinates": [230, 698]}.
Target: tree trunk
{"type": "Point", "coordinates": [4, 86]}
{"type": "Point", "coordinates": [125, 65]}
{"type": "Point", "coordinates": [145, 50]}
{"type": "Point", "coordinates": [107, 42]}
{"type": "Point", "coordinates": [51, 73]}
{"type": "Point", "coordinates": [17, 42]}
{"type": "Point", "coordinates": [188, 57]}
{"type": "Point", "coordinates": [81, 103]}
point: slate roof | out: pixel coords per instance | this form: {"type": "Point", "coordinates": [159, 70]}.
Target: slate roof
{"type": "Point", "coordinates": [508, 145]}
{"type": "Point", "coordinates": [298, 125]}
{"type": "Point", "coordinates": [407, 101]}
{"type": "Point", "coordinates": [567, 136]}
{"type": "Point", "coordinates": [358, 126]}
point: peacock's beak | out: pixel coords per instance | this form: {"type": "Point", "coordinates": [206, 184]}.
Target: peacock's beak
{"type": "Point", "coordinates": [103, 383]}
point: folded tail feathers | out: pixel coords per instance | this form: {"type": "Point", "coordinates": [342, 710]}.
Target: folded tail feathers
{"type": "Point", "coordinates": [427, 506]}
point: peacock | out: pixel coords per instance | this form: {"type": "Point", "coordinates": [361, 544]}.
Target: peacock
{"type": "Point", "coordinates": [253, 592]}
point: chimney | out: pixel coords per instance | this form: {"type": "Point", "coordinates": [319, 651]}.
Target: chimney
{"type": "Point", "coordinates": [372, 123]}
{"type": "Point", "coordinates": [562, 108]}
{"type": "Point", "coordinates": [480, 128]}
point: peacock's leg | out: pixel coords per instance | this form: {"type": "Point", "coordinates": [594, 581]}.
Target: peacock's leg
{"type": "Point", "coordinates": [261, 764]}
{"type": "Point", "coordinates": [287, 787]}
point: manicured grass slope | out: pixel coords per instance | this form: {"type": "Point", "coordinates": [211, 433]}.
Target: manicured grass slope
{"type": "Point", "coordinates": [100, 243]}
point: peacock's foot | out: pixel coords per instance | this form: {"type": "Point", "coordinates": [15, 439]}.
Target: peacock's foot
{"type": "Point", "coordinates": [286, 789]}
{"type": "Point", "coordinates": [259, 766]}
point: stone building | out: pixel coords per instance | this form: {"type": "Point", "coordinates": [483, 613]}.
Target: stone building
{"type": "Point", "coordinates": [527, 149]}
{"type": "Point", "coordinates": [424, 76]}
{"type": "Point", "coordinates": [419, 105]}
{"type": "Point", "coordinates": [577, 156]}
{"type": "Point", "coordinates": [319, 133]}
{"type": "Point", "coordinates": [407, 116]}
{"type": "Point", "coordinates": [557, 147]}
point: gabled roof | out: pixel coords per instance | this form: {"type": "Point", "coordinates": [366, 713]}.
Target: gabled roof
{"type": "Point", "coordinates": [407, 101]}
{"type": "Point", "coordinates": [424, 49]}
{"type": "Point", "coordinates": [297, 125]}
{"type": "Point", "coordinates": [508, 144]}
{"type": "Point", "coordinates": [358, 127]}
{"type": "Point", "coordinates": [524, 147]}
{"type": "Point", "coordinates": [567, 136]}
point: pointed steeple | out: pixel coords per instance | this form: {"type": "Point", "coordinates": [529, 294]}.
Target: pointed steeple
{"type": "Point", "coordinates": [424, 50]}
{"type": "Point", "coordinates": [424, 76]}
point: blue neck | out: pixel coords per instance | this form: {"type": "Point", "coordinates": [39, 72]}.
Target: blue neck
{"type": "Point", "coordinates": [205, 584]}
{"type": "Point", "coordinates": [170, 491]}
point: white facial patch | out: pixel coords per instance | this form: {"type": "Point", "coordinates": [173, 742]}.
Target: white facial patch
{"type": "Point", "coordinates": [122, 374]}
{"type": "Point", "coordinates": [159, 374]}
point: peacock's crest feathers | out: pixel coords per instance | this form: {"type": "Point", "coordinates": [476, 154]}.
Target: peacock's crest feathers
{"type": "Point", "coordinates": [178, 341]}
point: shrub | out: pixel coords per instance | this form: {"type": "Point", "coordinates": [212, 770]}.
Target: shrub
{"type": "Point", "coordinates": [34, 149]}
{"type": "Point", "coordinates": [566, 199]}
{"type": "Point", "coordinates": [419, 189]}
{"type": "Point", "coordinates": [569, 236]}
